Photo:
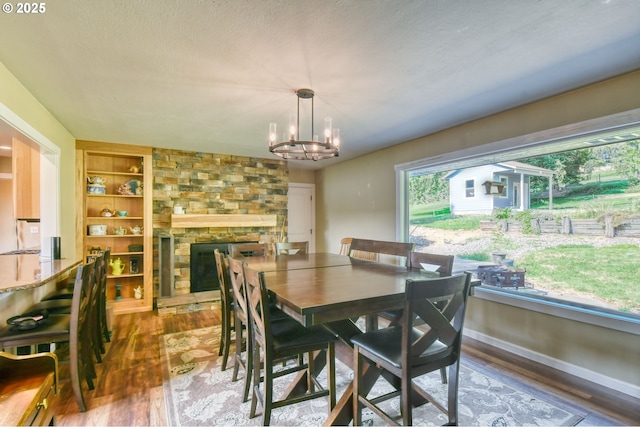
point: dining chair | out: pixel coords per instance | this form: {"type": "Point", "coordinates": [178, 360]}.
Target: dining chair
{"type": "Point", "coordinates": [292, 248]}
{"type": "Point", "coordinates": [445, 268]}
{"type": "Point", "coordinates": [242, 326]}
{"type": "Point", "coordinates": [239, 250]}
{"type": "Point", "coordinates": [61, 303]}
{"type": "Point", "coordinates": [390, 252]}
{"type": "Point", "coordinates": [444, 262]}
{"type": "Point", "coordinates": [60, 328]}
{"type": "Point", "coordinates": [226, 305]}
{"type": "Point", "coordinates": [408, 351]}
{"type": "Point", "coordinates": [279, 340]}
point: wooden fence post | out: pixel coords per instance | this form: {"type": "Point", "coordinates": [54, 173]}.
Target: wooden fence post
{"type": "Point", "coordinates": [609, 229]}
{"type": "Point", "coordinates": [566, 225]}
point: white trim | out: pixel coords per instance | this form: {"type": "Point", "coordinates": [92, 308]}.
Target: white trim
{"type": "Point", "coordinates": [578, 371]}
{"type": "Point", "coordinates": [567, 137]}
{"type": "Point", "coordinates": [49, 176]}
{"type": "Point", "coordinates": [26, 129]}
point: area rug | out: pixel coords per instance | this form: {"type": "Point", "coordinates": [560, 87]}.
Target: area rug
{"type": "Point", "coordinates": [198, 393]}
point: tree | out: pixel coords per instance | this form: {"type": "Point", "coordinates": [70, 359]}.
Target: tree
{"type": "Point", "coordinates": [569, 168]}
{"type": "Point", "coordinates": [428, 188]}
{"type": "Point", "coordinates": [627, 161]}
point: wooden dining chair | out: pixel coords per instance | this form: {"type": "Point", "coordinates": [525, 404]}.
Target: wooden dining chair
{"type": "Point", "coordinates": [278, 340]}
{"type": "Point", "coordinates": [407, 351]}
{"type": "Point", "coordinates": [61, 328]}
{"type": "Point", "coordinates": [62, 301]}
{"type": "Point", "coordinates": [242, 326]}
{"type": "Point", "coordinates": [444, 262]}
{"type": "Point", "coordinates": [239, 250]}
{"type": "Point", "coordinates": [226, 306]}
{"type": "Point", "coordinates": [292, 248]}
{"type": "Point", "coordinates": [390, 252]}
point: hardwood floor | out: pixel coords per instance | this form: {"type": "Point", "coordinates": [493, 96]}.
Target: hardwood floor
{"type": "Point", "coordinates": [129, 385]}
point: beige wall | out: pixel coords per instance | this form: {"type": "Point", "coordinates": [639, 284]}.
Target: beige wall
{"type": "Point", "coordinates": [358, 198]}
{"type": "Point", "coordinates": [22, 103]}
{"type": "Point", "coordinates": [301, 176]}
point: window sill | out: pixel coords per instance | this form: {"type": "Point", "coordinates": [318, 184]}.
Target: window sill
{"type": "Point", "coordinates": [592, 315]}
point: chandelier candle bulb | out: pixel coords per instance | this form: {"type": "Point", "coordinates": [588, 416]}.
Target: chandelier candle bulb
{"type": "Point", "coordinates": [336, 138]}
{"type": "Point", "coordinates": [272, 133]}
{"type": "Point", "coordinates": [327, 131]}
{"type": "Point", "coordinates": [292, 127]}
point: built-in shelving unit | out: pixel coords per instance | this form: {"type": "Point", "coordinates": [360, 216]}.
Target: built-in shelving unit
{"type": "Point", "coordinates": [130, 236]}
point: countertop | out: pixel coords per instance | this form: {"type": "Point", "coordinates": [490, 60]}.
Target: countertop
{"type": "Point", "coordinates": [25, 271]}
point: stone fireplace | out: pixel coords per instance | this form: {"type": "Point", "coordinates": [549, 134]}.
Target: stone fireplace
{"type": "Point", "coordinates": [214, 187]}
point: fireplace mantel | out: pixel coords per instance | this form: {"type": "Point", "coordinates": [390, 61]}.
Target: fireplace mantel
{"type": "Point", "coordinates": [222, 220]}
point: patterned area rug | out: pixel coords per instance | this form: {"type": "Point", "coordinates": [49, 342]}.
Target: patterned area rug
{"type": "Point", "coordinates": [197, 393]}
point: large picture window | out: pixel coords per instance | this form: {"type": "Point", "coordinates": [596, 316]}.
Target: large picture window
{"type": "Point", "coordinates": [569, 232]}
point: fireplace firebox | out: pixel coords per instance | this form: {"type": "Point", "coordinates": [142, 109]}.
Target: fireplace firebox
{"type": "Point", "coordinates": [203, 270]}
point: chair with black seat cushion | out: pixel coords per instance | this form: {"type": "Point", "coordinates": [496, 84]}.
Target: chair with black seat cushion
{"type": "Point", "coordinates": [241, 325]}
{"type": "Point", "coordinates": [445, 268]}
{"type": "Point", "coordinates": [380, 251]}
{"type": "Point", "coordinates": [98, 318]}
{"type": "Point", "coordinates": [63, 328]}
{"type": "Point", "coordinates": [226, 306]}
{"type": "Point", "coordinates": [274, 341]}
{"type": "Point", "coordinates": [292, 248]}
{"type": "Point", "coordinates": [408, 351]}
{"type": "Point", "coordinates": [239, 250]}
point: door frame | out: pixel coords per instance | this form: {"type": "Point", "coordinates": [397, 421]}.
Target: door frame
{"type": "Point", "coordinates": [312, 187]}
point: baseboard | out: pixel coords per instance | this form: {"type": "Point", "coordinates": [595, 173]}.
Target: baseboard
{"type": "Point", "coordinates": [580, 372]}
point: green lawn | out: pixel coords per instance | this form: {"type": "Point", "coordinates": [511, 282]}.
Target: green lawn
{"type": "Point", "coordinates": [610, 273]}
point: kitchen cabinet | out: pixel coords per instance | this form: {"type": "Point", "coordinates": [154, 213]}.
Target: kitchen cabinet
{"type": "Point", "coordinates": [114, 190]}
{"type": "Point", "coordinates": [25, 165]}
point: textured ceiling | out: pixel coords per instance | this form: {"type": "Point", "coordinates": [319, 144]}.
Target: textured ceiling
{"type": "Point", "coordinates": [209, 75]}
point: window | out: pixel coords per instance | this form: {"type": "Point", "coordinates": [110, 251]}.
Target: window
{"type": "Point", "coordinates": [571, 163]}
{"type": "Point", "coordinates": [469, 188]}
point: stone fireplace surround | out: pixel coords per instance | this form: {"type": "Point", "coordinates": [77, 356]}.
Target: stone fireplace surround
{"type": "Point", "coordinates": [215, 184]}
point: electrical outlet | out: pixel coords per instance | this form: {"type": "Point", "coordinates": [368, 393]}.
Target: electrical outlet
{"type": "Point", "coordinates": [34, 229]}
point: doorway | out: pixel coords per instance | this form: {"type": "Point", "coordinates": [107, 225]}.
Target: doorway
{"type": "Point", "coordinates": [301, 218]}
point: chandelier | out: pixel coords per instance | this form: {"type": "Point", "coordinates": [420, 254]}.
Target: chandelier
{"type": "Point", "coordinates": [293, 148]}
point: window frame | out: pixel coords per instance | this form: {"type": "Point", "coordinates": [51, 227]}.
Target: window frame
{"type": "Point", "coordinates": [472, 188]}
{"type": "Point", "coordinates": [590, 133]}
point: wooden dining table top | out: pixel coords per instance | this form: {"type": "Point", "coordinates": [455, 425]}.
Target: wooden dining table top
{"type": "Point", "coordinates": [296, 261]}
{"type": "Point", "coordinates": [320, 288]}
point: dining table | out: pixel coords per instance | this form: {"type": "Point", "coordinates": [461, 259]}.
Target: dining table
{"type": "Point", "coordinates": [334, 290]}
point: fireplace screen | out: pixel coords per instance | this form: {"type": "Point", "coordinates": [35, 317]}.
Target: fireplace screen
{"type": "Point", "coordinates": [204, 275]}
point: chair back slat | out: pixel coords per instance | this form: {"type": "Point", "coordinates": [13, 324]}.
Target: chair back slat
{"type": "Point", "coordinates": [236, 274]}
{"type": "Point", "coordinates": [380, 247]}
{"type": "Point", "coordinates": [445, 262]}
{"type": "Point", "coordinates": [223, 278]}
{"type": "Point", "coordinates": [258, 302]}
{"type": "Point", "coordinates": [345, 246]}
{"type": "Point", "coordinates": [239, 250]}
{"type": "Point", "coordinates": [292, 248]}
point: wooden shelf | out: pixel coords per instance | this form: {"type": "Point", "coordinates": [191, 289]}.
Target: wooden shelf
{"type": "Point", "coordinates": [120, 276]}
{"type": "Point", "coordinates": [222, 220]}
{"type": "Point", "coordinates": [115, 161]}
